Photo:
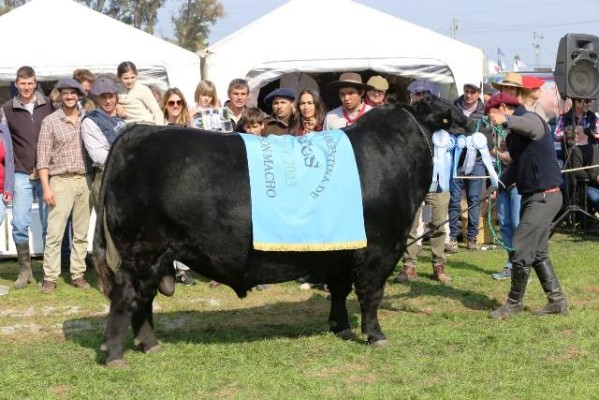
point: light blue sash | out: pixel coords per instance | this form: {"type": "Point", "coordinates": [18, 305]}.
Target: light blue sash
{"type": "Point", "coordinates": [306, 193]}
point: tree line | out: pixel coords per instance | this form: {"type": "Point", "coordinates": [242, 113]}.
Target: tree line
{"type": "Point", "coordinates": [191, 22]}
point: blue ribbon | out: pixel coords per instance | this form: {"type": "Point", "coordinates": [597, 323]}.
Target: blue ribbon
{"type": "Point", "coordinates": [444, 145]}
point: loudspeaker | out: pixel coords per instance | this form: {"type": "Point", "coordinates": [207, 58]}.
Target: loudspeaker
{"type": "Point", "coordinates": [577, 66]}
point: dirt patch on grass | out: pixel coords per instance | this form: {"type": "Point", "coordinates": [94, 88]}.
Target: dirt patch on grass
{"type": "Point", "coordinates": [61, 390]}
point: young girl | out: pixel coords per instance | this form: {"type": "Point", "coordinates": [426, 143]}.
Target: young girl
{"type": "Point", "coordinates": [137, 100]}
{"type": "Point", "coordinates": [207, 113]}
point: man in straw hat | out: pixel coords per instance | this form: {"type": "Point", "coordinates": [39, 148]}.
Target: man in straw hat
{"type": "Point", "coordinates": [512, 84]}
{"type": "Point", "coordinates": [350, 89]}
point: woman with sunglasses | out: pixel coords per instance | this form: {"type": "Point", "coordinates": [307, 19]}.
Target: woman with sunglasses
{"type": "Point", "coordinates": [174, 108]}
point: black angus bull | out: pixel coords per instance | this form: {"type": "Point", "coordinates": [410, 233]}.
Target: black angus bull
{"type": "Point", "coordinates": [172, 193]}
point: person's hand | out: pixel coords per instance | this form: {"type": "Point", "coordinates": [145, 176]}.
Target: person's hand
{"type": "Point", "coordinates": [120, 111]}
{"type": "Point", "coordinates": [7, 197]}
{"type": "Point", "coordinates": [49, 198]}
{"type": "Point", "coordinates": [491, 192]}
{"type": "Point", "coordinates": [496, 117]}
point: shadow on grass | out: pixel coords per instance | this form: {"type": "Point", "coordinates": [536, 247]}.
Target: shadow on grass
{"type": "Point", "coordinates": [270, 321]}
{"type": "Point", "coordinates": [469, 298]}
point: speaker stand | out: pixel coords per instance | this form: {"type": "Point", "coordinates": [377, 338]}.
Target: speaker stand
{"type": "Point", "coordinates": [571, 211]}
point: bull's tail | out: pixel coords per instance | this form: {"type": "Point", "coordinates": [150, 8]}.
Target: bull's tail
{"type": "Point", "coordinates": [104, 255]}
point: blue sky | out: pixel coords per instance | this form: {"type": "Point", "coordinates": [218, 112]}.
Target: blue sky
{"type": "Point", "coordinates": [510, 25]}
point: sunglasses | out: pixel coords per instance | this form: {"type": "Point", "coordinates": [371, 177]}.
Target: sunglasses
{"type": "Point", "coordinates": [171, 103]}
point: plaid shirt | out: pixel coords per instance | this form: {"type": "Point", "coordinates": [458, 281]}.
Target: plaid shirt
{"type": "Point", "coordinates": [60, 148]}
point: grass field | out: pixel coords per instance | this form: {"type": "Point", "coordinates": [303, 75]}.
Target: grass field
{"type": "Point", "coordinates": [274, 344]}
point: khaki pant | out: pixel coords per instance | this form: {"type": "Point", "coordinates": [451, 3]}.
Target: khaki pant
{"type": "Point", "coordinates": [72, 196]}
{"type": "Point", "coordinates": [439, 203]}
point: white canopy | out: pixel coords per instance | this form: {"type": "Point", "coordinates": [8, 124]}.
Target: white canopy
{"type": "Point", "coordinates": [56, 37]}
{"type": "Point", "coordinates": [337, 36]}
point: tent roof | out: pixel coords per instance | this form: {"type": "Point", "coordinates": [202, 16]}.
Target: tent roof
{"type": "Point", "coordinates": [56, 37]}
{"type": "Point", "coordinates": [335, 37]}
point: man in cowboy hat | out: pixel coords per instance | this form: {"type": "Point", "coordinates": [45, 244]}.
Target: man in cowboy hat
{"type": "Point", "coordinates": [512, 84]}
{"type": "Point", "coordinates": [350, 90]}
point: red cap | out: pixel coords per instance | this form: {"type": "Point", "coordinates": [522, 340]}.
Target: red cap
{"type": "Point", "coordinates": [532, 82]}
{"type": "Point", "coordinates": [501, 98]}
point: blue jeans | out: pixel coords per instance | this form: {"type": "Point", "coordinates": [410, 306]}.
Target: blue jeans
{"type": "Point", "coordinates": [473, 188]}
{"type": "Point", "coordinates": [25, 192]}
{"type": "Point", "coordinates": [2, 211]}
{"type": "Point", "coordinates": [508, 214]}
{"type": "Point", "coordinates": [593, 197]}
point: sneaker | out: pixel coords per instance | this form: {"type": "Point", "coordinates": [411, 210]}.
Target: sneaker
{"type": "Point", "coordinates": [451, 247]}
{"type": "Point", "coordinates": [505, 274]}
{"type": "Point", "coordinates": [48, 287]}
{"type": "Point", "coordinates": [185, 279]}
{"type": "Point", "coordinates": [472, 245]}
{"type": "Point", "coordinates": [305, 286]}
{"type": "Point", "coordinates": [80, 283]}
{"type": "Point", "coordinates": [261, 287]}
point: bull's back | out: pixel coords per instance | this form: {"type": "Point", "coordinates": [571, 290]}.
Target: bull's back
{"type": "Point", "coordinates": [177, 184]}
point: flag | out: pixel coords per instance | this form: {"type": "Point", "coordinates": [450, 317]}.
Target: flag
{"type": "Point", "coordinates": [494, 68]}
{"type": "Point", "coordinates": [500, 57]}
{"type": "Point", "coordinates": [500, 53]}
{"type": "Point", "coordinates": [519, 65]}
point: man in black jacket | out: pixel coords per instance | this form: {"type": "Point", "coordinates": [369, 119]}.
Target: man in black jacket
{"type": "Point", "coordinates": [536, 173]}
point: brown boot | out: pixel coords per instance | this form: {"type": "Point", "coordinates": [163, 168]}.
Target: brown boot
{"type": "Point", "coordinates": [24, 259]}
{"type": "Point", "coordinates": [408, 273]}
{"type": "Point", "coordinates": [439, 273]}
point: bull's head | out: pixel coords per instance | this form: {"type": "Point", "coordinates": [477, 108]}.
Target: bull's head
{"type": "Point", "coordinates": [436, 113]}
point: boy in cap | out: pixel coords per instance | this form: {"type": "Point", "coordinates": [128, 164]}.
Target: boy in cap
{"type": "Point", "coordinates": [62, 169]}
{"type": "Point", "coordinates": [350, 89]}
{"type": "Point", "coordinates": [281, 119]}
{"type": "Point", "coordinates": [535, 171]}
{"type": "Point", "coordinates": [376, 96]}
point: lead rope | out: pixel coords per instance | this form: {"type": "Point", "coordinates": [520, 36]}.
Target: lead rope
{"type": "Point", "coordinates": [500, 135]}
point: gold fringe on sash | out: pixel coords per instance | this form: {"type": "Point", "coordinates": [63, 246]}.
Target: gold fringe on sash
{"type": "Point", "coordinates": [357, 244]}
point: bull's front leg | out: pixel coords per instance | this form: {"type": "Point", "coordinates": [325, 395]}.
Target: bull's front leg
{"type": "Point", "coordinates": [142, 323]}
{"type": "Point", "coordinates": [338, 317]}
{"type": "Point", "coordinates": [370, 296]}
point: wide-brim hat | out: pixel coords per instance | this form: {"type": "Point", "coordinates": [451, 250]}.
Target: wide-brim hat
{"type": "Point", "coordinates": [511, 79]}
{"type": "Point", "coordinates": [349, 79]}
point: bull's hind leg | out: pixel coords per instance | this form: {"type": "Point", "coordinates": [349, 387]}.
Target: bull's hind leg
{"type": "Point", "coordinates": [143, 327]}
{"type": "Point", "coordinates": [370, 296]}
{"type": "Point", "coordinates": [338, 318]}
{"type": "Point", "coordinates": [116, 328]}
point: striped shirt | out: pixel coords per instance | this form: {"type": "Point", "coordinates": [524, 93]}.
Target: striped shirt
{"type": "Point", "coordinates": [60, 148]}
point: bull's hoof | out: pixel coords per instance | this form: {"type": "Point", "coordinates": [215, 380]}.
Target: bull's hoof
{"type": "Point", "coordinates": [377, 344]}
{"type": "Point", "coordinates": [153, 349]}
{"type": "Point", "coordinates": [346, 334]}
{"type": "Point", "coordinates": [104, 347]}
{"type": "Point", "coordinates": [116, 364]}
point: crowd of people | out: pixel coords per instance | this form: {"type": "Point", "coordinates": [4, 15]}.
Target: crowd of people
{"type": "Point", "coordinates": [53, 150]}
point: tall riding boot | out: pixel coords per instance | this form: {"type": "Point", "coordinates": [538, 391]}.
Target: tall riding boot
{"type": "Point", "coordinates": [514, 303]}
{"type": "Point", "coordinates": [25, 274]}
{"type": "Point", "coordinates": [557, 299]}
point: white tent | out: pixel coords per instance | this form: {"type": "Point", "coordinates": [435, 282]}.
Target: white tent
{"type": "Point", "coordinates": [56, 37]}
{"type": "Point", "coordinates": [333, 36]}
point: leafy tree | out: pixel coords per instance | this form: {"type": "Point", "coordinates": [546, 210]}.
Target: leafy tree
{"type": "Point", "coordinates": [142, 14]}
{"type": "Point", "coordinates": [193, 21]}
{"type": "Point", "coordinates": [10, 4]}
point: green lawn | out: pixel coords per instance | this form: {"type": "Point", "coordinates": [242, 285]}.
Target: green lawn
{"type": "Point", "coordinates": [274, 344]}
